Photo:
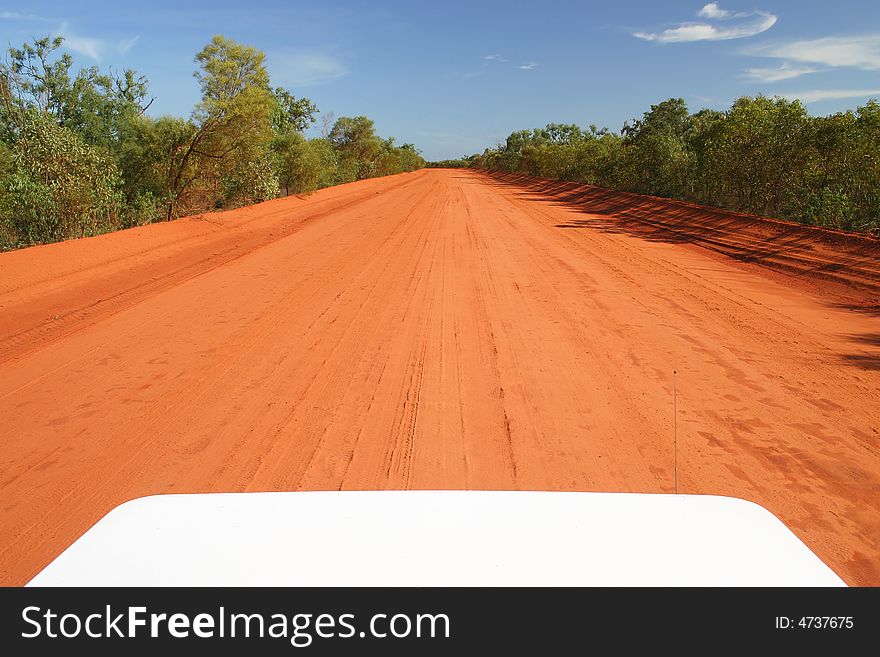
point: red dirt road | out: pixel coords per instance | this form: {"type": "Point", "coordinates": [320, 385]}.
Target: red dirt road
{"type": "Point", "coordinates": [443, 329]}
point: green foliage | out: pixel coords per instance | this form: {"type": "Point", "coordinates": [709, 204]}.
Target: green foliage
{"type": "Point", "coordinates": [298, 163]}
{"type": "Point", "coordinates": [361, 153]}
{"type": "Point", "coordinates": [291, 114]}
{"type": "Point", "coordinates": [760, 151]}
{"type": "Point", "coordinates": [57, 186]}
{"type": "Point", "coordinates": [32, 79]}
{"type": "Point", "coordinates": [232, 76]}
{"type": "Point", "coordinates": [141, 209]}
{"type": "Point", "coordinates": [329, 159]}
{"type": "Point", "coordinates": [98, 107]}
{"type": "Point", "coordinates": [408, 159]}
{"type": "Point", "coordinates": [233, 127]}
{"type": "Point", "coordinates": [78, 155]}
{"type": "Point", "coordinates": [656, 158]}
{"type": "Point", "coordinates": [253, 181]}
{"type": "Point", "coordinates": [765, 156]}
{"type": "Point", "coordinates": [358, 145]}
{"type": "Point", "coordinates": [458, 163]}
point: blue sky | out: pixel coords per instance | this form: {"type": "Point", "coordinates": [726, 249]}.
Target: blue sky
{"type": "Point", "coordinates": [455, 77]}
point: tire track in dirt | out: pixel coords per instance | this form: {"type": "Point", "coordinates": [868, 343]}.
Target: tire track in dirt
{"type": "Point", "coordinates": [434, 330]}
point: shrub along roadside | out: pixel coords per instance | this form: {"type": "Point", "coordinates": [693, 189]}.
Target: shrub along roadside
{"type": "Point", "coordinates": [764, 156]}
{"type": "Point", "coordinates": [80, 156]}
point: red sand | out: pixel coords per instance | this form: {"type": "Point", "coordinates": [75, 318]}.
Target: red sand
{"type": "Point", "coordinates": [444, 329]}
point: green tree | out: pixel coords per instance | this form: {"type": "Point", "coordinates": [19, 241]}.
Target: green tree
{"type": "Point", "coordinates": [298, 163]}
{"type": "Point", "coordinates": [657, 157]}
{"type": "Point", "coordinates": [760, 154]}
{"type": "Point", "coordinates": [57, 186]}
{"type": "Point", "coordinates": [97, 106]}
{"type": "Point", "coordinates": [79, 155]}
{"type": "Point", "coordinates": [291, 114]}
{"type": "Point", "coordinates": [232, 125]}
{"type": "Point", "coordinates": [328, 157]}
{"type": "Point", "coordinates": [358, 146]}
{"type": "Point", "coordinates": [765, 156]}
{"type": "Point", "coordinates": [410, 158]}
{"type": "Point", "coordinates": [703, 130]}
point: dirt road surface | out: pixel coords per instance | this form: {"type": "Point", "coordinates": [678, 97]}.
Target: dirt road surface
{"type": "Point", "coordinates": [444, 329]}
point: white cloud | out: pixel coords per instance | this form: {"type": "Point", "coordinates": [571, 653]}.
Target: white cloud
{"type": "Point", "coordinates": [127, 44]}
{"type": "Point", "coordinates": [861, 52]}
{"type": "Point", "coordinates": [87, 46]}
{"type": "Point", "coordinates": [746, 24]}
{"type": "Point", "coordinates": [817, 95]}
{"type": "Point", "coordinates": [785, 71]}
{"type": "Point", "coordinates": [18, 16]}
{"type": "Point", "coordinates": [525, 66]}
{"type": "Point", "coordinates": [305, 69]}
{"type": "Point", "coordinates": [712, 10]}
{"type": "Point", "coordinates": [93, 47]}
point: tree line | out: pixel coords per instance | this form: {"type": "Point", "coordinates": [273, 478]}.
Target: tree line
{"type": "Point", "coordinates": [79, 155]}
{"type": "Point", "coordinates": [764, 156]}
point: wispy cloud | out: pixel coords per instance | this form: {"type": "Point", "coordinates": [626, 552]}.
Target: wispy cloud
{"type": "Point", "coordinates": [726, 25]}
{"type": "Point", "coordinates": [785, 71]}
{"type": "Point", "coordinates": [127, 44]}
{"type": "Point", "coordinates": [86, 46]}
{"type": "Point", "coordinates": [862, 52]}
{"type": "Point", "coordinates": [18, 16]}
{"type": "Point", "coordinates": [93, 47]}
{"type": "Point", "coordinates": [817, 95]}
{"type": "Point", "coordinates": [306, 69]}
{"type": "Point", "coordinates": [488, 66]}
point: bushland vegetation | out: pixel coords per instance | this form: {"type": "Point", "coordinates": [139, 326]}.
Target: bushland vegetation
{"type": "Point", "coordinates": [81, 155]}
{"type": "Point", "coordinates": [765, 156]}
